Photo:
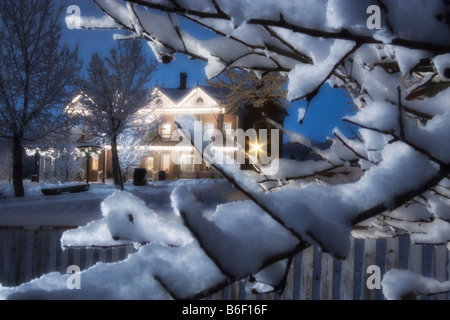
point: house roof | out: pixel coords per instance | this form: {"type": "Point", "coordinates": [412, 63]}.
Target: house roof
{"type": "Point", "coordinates": [176, 95]}
{"type": "Point", "coordinates": [219, 95]}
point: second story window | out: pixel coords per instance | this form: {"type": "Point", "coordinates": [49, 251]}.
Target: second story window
{"type": "Point", "coordinates": [166, 130]}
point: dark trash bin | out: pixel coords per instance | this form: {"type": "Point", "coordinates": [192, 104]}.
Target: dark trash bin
{"type": "Point", "coordinates": [140, 177]}
{"type": "Point", "coordinates": [162, 175]}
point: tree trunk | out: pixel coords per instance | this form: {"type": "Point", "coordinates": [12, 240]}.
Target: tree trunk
{"type": "Point", "coordinates": [18, 167]}
{"type": "Point", "coordinates": [117, 173]}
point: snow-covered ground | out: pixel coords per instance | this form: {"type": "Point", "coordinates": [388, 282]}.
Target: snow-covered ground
{"type": "Point", "coordinates": [77, 209]}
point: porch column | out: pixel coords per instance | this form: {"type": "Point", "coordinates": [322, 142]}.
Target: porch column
{"type": "Point", "coordinates": [105, 153]}
{"type": "Point", "coordinates": [88, 158]}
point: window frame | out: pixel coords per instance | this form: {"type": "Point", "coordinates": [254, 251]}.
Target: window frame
{"type": "Point", "coordinates": [166, 130]}
{"type": "Point", "coordinates": [165, 157]}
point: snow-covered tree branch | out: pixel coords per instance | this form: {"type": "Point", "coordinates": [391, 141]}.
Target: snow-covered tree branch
{"type": "Point", "coordinates": [398, 77]}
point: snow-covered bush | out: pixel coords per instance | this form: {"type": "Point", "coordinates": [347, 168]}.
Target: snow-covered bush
{"type": "Point", "coordinates": [398, 77]}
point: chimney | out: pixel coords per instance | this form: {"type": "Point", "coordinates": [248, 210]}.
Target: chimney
{"type": "Point", "coordinates": [183, 79]}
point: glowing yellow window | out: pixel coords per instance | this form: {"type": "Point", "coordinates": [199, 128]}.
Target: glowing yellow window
{"type": "Point", "coordinates": [150, 163]}
{"type": "Point", "coordinates": [95, 162]}
{"type": "Point", "coordinates": [165, 162]}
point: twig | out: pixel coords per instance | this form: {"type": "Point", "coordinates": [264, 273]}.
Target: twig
{"type": "Point", "coordinates": [400, 114]}
{"type": "Point", "coordinates": [356, 153]}
{"type": "Point", "coordinates": [441, 163]}
{"type": "Point", "coordinates": [295, 53]}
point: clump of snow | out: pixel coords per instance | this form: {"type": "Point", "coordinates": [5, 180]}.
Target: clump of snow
{"type": "Point", "coordinates": [348, 14]}
{"type": "Point", "coordinates": [232, 235]}
{"type": "Point", "coordinates": [404, 284]}
{"type": "Point", "coordinates": [300, 86]}
{"type": "Point", "coordinates": [416, 19]}
{"type": "Point", "coordinates": [408, 59]}
{"type": "Point", "coordinates": [442, 65]}
{"type": "Point", "coordinates": [267, 279]}
{"type": "Point", "coordinates": [135, 278]}
{"type": "Point", "coordinates": [127, 219]}
{"type": "Point", "coordinates": [287, 168]}
{"type": "Point", "coordinates": [76, 21]}
{"type": "Point", "coordinates": [436, 231]}
{"type": "Point", "coordinates": [435, 128]}
{"type": "Point", "coordinates": [380, 115]}
{"type": "Point", "coordinates": [301, 115]}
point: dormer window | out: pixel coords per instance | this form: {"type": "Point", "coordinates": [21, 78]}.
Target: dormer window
{"type": "Point", "coordinates": [166, 130]}
{"type": "Point", "coordinates": [200, 101]}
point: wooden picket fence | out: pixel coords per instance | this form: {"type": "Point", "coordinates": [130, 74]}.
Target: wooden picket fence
{"type": "Point", "coordinates": [27, 254]}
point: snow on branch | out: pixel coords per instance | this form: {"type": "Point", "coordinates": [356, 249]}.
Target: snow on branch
{"type": "Point", "coordinates": [272, 39]}
{"type": "Point", "coordinates": [309, 221]}
{"type": "Point", "coordinates": [405, 285]}
{"type": "Point", "coordinates": [237, 250]}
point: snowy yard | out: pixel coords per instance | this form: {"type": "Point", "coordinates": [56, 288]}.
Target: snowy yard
{"type": "Point", "coordinates": [77, 209]}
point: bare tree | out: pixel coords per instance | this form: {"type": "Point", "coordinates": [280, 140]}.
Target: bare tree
{"type": "Point", "coordinates": [68, 159]}
{"type": "Point", "coordinates": [36, 75]}
{"type": "Point", "coordinates": [132, 150]}
{"type": "Point", "coordinates": [241, 88]}
{"type": "Point", "coordinates": [115, 89]}
{"type": "Point", "coordinates": [132, 143]}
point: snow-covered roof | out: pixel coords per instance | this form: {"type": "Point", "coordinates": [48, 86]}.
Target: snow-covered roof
{"type": "Point", "coordinates": [176, 95]}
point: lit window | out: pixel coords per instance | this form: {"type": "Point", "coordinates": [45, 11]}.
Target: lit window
{"type": "Point", "coordinates": [165, 162]}
{"type": "Point", "coordinates": [95, 162]}
{"type": "Point", "coordinates": [187, 163]}
{"type": "Point", "coordinates": [150, 165]}
{"type": "Point", "coordinates": [166, 130]}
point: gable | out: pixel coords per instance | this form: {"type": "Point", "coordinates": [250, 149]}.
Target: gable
{"type": "Point", "coordinates": [185, 98]}
{"type": "Point", "coordinates": [197, 98]}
